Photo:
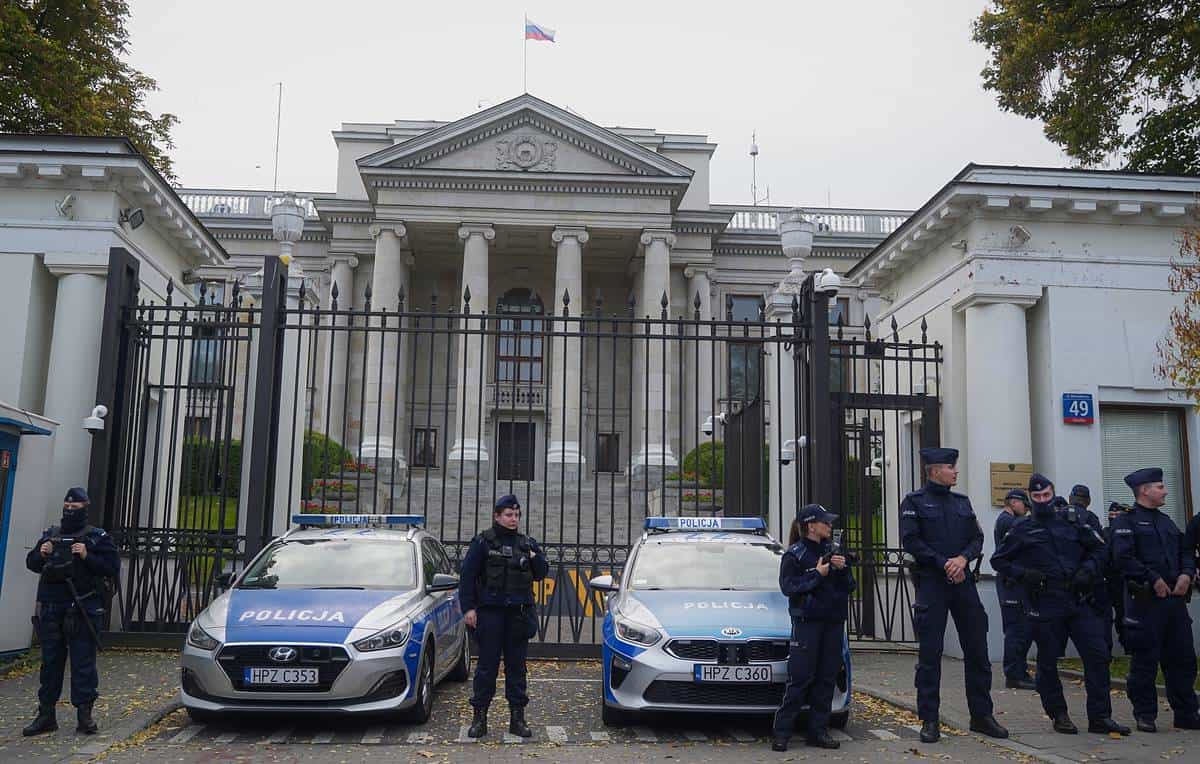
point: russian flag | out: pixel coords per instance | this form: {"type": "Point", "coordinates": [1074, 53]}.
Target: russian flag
{"type": "Point", "coordinates": [538, 32]}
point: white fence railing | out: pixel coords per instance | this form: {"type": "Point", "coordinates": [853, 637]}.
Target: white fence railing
{"type": "Point", "coordinates": [239, 204]}
{"type": "Point", "coordinates": [751, 219]}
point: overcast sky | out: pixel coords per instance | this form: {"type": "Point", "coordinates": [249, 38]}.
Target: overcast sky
{"type": "Point", "coordinates": [861, 103]}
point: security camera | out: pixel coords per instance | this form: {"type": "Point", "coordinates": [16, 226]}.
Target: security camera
{"type": "Point", "coordinates": [1020, 235]}
{"type": "Point", "coordinates": [66, 206]}
{"type": "Point", "coordinates": [787, 451]}
{"type": "Point", "coordinates": [828, 283]}
{"type": "Point", "coordinates": [707, 427]}
{"type": "Point", "coordinates": [133, 217]}
{"type": "Point", "coordinates": [95, 422]}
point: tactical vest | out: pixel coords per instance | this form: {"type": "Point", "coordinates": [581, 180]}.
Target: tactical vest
{"type": "Point", "coordinates": [503, 573]}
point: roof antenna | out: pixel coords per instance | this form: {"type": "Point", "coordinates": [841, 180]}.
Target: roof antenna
{"type": "Point", "coordinates": [278, 114]}
{"type": "Point", "coordinates": [754, 173]}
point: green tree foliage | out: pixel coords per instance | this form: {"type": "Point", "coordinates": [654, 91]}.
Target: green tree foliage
{"type": "Point", "coordinates": [1179, 351]}
{"type": "Point", "coordinates": [1111, 81]}
{"type": "Point", "coordinates": [707, 462]}
{"type": "Point", "coordinates": [61, 71]}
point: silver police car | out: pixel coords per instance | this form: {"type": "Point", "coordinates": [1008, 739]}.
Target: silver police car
{"type": "Point", "coordinates": [698, 623]}
{"type": "Point", "coordinates": [344, 614]}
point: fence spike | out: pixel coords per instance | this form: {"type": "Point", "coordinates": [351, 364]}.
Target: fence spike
{"type": "Point", "coordinates": [924, 329]}
{"type": "Point", "coordinates": [203, 291]}
{"type": "Point", "coordinates": [400, 299]}
{"type": "Point", "coordinates": [367, 294]}
{"type": "Point", "coordinates": [895, 330]}
{"type": "Point", "coordinates": [333, 296]}
{"type": "Point", "coordinates": [696, 301]}
{"type": "Point", "coordinates": [795, 305]}
{"type": "Point", "coordinates": [170, 290]}
{"type": "Point", "coordinates": [867, 325]}
{"type": "Point", "coordinates": [467, 299]}
{"type": "Point", "coordinates": [838, 323]}
{"type": "Point", "coordinates": [632, 301]}
{"type": "Point", "coordinates": [566, 298]}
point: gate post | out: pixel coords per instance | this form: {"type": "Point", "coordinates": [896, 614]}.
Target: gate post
{"type": "Point", "coordinates": [112, 387]}
{"type": "Point", "coordinates": [822, 441]}
{"type": "Point", "coordinates": [264, 439]}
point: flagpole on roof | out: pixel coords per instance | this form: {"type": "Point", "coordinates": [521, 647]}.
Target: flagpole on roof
{"type": "Point", "coordinates": [525, 57]}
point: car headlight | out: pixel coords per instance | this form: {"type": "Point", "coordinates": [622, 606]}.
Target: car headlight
{"type": "Point", "coordinates": [198, 637]}
{"type": "Point", "coordinates": [392, 636]}
{"type": "Point", "coordinates": [637, 633]}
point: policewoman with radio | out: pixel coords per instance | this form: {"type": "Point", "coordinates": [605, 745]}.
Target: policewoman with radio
{"type": "Point", "coordinates": [815, 575]}
{"type": "Point", "coordinates": [73, 558]}
{"type": "Point", "coordinates": [496, 592]}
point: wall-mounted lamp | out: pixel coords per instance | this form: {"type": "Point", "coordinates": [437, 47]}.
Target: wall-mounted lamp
{"type": "Point", "coordinates": [133, 217]}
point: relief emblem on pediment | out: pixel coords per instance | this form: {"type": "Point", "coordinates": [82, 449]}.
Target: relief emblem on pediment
{"type": "Point", "coordinates": [526, 152]}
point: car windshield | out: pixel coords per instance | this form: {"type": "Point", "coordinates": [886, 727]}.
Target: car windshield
{"type": "Point", "coordinates": [712, 565]}
{"type": "Point", "coordinates": [334, 564]}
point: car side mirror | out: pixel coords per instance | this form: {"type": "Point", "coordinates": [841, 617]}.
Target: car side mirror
{"type": "Point", "coordinates": [224, 581]}
{"type": "Point", "coordinates": [442, 582]}
{"type": "Point", "coordinates": [604, 583]}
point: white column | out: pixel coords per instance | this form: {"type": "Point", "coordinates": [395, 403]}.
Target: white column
{"type": "Point", "coordinates": [564, 457]}
{"type": "Point", "coordinates": [342, 276]}
{"type": "Point", "coordinates": [997, 385]}
{"type": "Point", "coordinates": [71, 377]}
{"type": "Point", "coordinates": [652, 444]}
{"type": "Point", "coordinates": [293, 395]}
{"type": "Point", "coordinates": [698, 284]}
{"type": "Point", "coordinates": [379, 407]}
{"type": "Point", "coordinates": [469, 455]}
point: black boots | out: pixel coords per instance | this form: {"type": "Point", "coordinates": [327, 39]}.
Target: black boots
{"type": "Point", "coordinates": [478, 726]}
{"type": "Point", "coordinates": [1187, 722]}
{"type": "Point", "coordinates": [1145, 724]}
{"type": "Point", "coordinates": [987, 725]}
{"type": "Point", "coordinates": [1107, 726]}
{"type": "Point", "coordinates": [1064, 725]}
{"type": "Point", "coordinates": [1022, 683]}
{"type": "Point", "coordinates": [929, 731]}
{"type": "Point", "coordinates": [517, 725]}
{"type": "Point", "coordinates": [822, 740]}
{"type": "Point", "coordinates": [86, 724]}
{"type": "Point", "coordinates": [779, 744]}
{"type": "Point", "coordinates": [45, 721]}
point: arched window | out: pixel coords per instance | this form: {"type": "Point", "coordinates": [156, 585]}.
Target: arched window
{"type": "Point", "coordinates": [519, 346]}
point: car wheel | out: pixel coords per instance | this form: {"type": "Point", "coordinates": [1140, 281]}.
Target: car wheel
{"type": "Point", "coordinates": [839, 719]}
{"type": "Point", "coordinates": [423, 709]}
{"type": "Point", "coordinates": [462, 670]}
{"type": "Point", "coordinates": [200, 716]}
{"type": "Point", "coordinates": [613, 717]}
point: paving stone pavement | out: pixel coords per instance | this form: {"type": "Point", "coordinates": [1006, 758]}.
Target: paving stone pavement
{"type": "Point", "coordinates": [890, 676]}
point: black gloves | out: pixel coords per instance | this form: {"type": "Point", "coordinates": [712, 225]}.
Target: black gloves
{"type": "Point", "coordinates": [1083, 580]}
{"type": "Point", "coordinates": [1033, 577]}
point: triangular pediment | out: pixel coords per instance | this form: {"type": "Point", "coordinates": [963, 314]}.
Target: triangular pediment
{"type": "Point", "coordinates": [525, 135]}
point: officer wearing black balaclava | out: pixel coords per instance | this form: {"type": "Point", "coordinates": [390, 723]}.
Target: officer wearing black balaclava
{"type": "Point", "coordinates": [73, 558]}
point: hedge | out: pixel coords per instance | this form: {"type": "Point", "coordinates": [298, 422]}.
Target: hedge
{"type": "Point", "coordinates": [203, 459]}
{"type": "Point", "coordinates": [707, 462]}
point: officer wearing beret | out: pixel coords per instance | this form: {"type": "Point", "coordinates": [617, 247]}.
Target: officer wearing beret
{"type": "Point", "coordinates": [1158, 568]}
{"type": "Point", "coordinates": [1017, 637]}
{"type": "Point", "coordinates": [817, 581]}
{"type": "Point", "coordinates": [938, 528]}
{"type": "Point", "coordinates": [1059, 558]}
{"type": "Point", "coordinates": [1080, 500]}
{"type": "Point", "coordinates": [73, 558]}
{"type": "Point", "coordinates": [496, 592]}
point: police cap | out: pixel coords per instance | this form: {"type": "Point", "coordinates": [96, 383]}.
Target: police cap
{"type": "Point", "coordinates": [940, 455]}
{"type": "Point", "coordinates": [1039, 482]}
{"type": "Point", "coordinates": [1081, 491]}
{"type": "Point", "coordinates": [815, 513]}
{"type": "Point", "coordinates": [1143, 476]}
{"type": "Point", "coordinates": [76, 495]}
{"type": "Point", "coordinates": [1017, 493]}
{"type": "Point", "coordinates": [506, 501]}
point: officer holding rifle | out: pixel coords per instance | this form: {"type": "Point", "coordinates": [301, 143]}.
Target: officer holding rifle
{"type": "Point", "coordinates": [73, 559]}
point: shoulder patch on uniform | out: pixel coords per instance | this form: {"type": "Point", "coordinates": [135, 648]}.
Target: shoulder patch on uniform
{"type": "Point", "coordinates": [909, 513]}
{"type": "Point", "coordinates": [1123, 531]}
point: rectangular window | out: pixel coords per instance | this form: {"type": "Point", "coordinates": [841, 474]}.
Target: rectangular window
{"type": "Point", "coordinates": [839, 308]}
{"type": "Point", "coordinates": [608, 452]}
{"type": "Point", "coordinates": [745, 358]}
{"type": "Point", "coordinates": [424, 448]}
{"type": "Point", "coordinates": [1136, 437]}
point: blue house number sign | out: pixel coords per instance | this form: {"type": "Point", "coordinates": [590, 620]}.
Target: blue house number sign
{"type": "Point", "coordinates": [1078, 408]}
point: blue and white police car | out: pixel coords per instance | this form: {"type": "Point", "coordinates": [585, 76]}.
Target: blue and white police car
{"type": "Point", "coordinates": [698, 624]}
{"type": "Point", "coordinates": [343, 614]}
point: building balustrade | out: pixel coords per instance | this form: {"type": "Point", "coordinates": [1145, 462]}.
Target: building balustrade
{"type": "Point", "coordinates": [849, 222]}
{"type": "Point", "coordinates": [224, 203]}
{"type": "Point", "coordinates": [516, 396]}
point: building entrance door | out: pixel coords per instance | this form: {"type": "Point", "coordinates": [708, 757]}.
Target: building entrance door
{"type": "Point", "coordinates": [515, 450]}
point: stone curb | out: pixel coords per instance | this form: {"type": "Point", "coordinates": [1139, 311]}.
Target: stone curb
{"type": "Point", "coordinates": [953, 720]}
{"type": "Point", "coordinates": [121, 734]}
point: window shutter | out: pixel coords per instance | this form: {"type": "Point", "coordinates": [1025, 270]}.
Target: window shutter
{"type": "Point", "coordinates": [1136, 438]}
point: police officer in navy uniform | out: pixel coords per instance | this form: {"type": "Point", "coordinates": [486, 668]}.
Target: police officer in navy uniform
{"type": "Point", "coordinates": [496, 592]}
{"type": "Point", "coordinates": [1116, 581]}
{"type": "Point", "coordinates": [939, 530]}
{"type": "Point", "coordinates": [1158, 568]}
{"type": "Point", "coordinates": [1060, 557]}
{"type": "Point", "coordinates": [1017, 637]}
{"type": "Point", "coordinates": [817, 581]}
{"type": "Point", "coordinates": [73, 559]}
{"type": "Point", "coordinates": [1192, 540]}
{"type": "Point", "coordinates": [1080, 500]}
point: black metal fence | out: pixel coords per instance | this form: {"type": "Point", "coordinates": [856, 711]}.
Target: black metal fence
{"type": "Point", "coordinates": [232, 413]}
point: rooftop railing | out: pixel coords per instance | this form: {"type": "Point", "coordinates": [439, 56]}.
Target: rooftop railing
{"type": "Point", "coordinates": [751, 219]}
{"type": "Point", "coordinates": [223, 203]}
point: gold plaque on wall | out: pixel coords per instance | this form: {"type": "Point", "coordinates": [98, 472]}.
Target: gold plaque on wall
{"type": "Point", "coordinates": [1007, 476]}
